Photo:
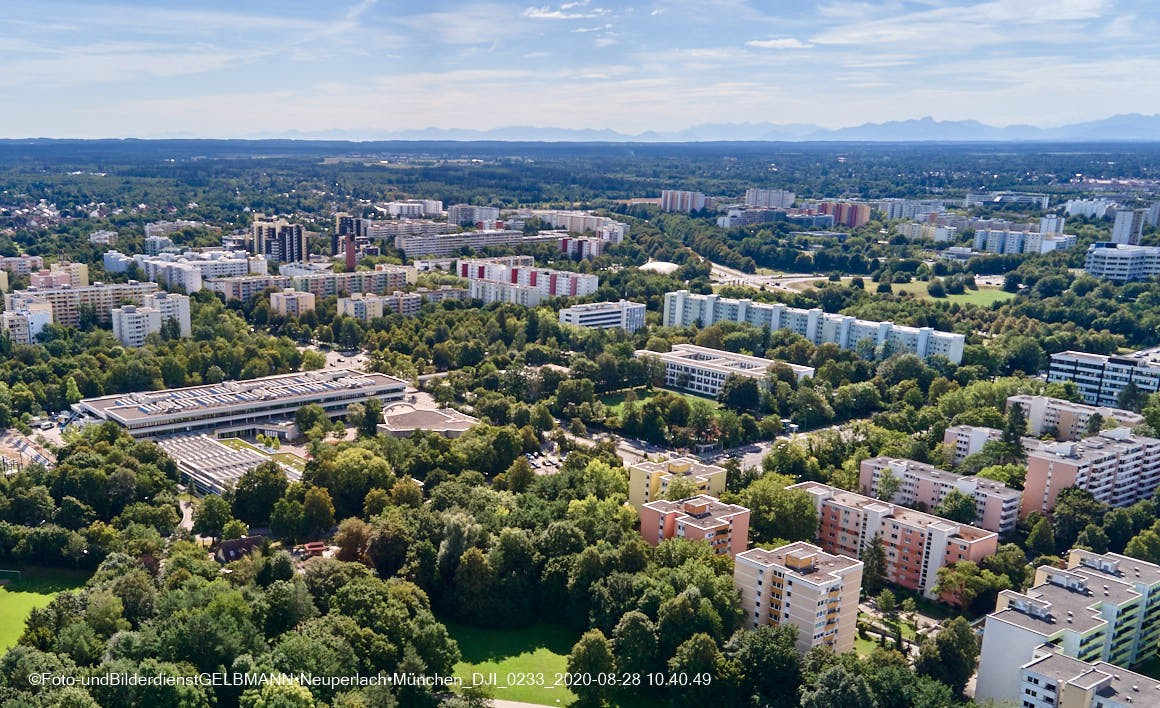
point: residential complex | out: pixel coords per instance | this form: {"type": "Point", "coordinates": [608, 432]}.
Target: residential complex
{"type": "Point", "coordinates": [725, 527]}
{"type": "Point", "coordinates": [238, 406]}
{"type": "Point", "coordinates": [626, 315]}
{"type": "Point", "coordinates": [1091, 208]}
{"type": "Point", "coordinates": [996, 504]}
{"type": "Point", "coordinates": [291, 303]}
{"type": "Point", "coordinates": [103, 238]}
{"type": "Point", "coordinates": [1036, 200]}
{"type": "Point", "coordinates": [683, 309]}
{"type": "Point", "coordinates": [1122, 263]}
{"type": "Point", "coordinates": [1117, 467]}
{"type": "Point", "coordinates": [68, 301]}
{"type": "Point", "coordinates": [517, 279]}
{"type": "Point", "coordinates": [1064, 419]}
{"type": "Point", "coordinates": [801, 585]}
{"type": "Point", "coordinates": [1014, 242]}
{"type": "Point", "coordinates": [581, 247]}
{"type": "Point", "coordinates": [769, 197]}
{"type": "Point", "coordinates": [1101, 608]}
{"type": "Point", "coordinates": [916, 544]}
{"type": "Point", "coordinates": [1051, 678]}
{"type": "Point", "coordinates": [25, 324]}
{"type": "Point", "coordinates": [411, 208]}
{"type": "Point", "coordinates": [1102, 378]}
{"type": "Point", "coordinates": [50, 279]}
{"type": "Point", "coordinates": [164, 228]}
{"type": "Point", "coordinates": [77, 273]}
{"type": "Point", "coordinates": [846, 213]}
{"type": "Point", "coordinates": [188, 270]}
{"type": "Point", "coordinates": [367, 307]}
{"type": "Point", "coordinates": [467, 215]}
{"type": "Point", "coordinates": [604, 228]}
{"type": "Point", "coordinates": [383, 279]}
{"type": "Point", "coordinates": [1128, 225]}
{"type": "Point", "coordinates": [895, 208]}
{"type": "Point", "coordinates": [156, 244]}
{"type": "Point", "coordinates": [1051, 224]}
{"type": "Point", "coordinates": [648, 481]}
{"type": "Point", "coordinates": [243, 287]}
{"type": "Point", "coordinates": [451, 244]}
{"type": "Point", "coordinates": [678, 200]}
{"type": "Point", "coordinates": [924, 229]}
{"type": "Point", "coordinates": [21, 265]}
{"type": "Point", "coordinates": [279, 240]}
{"type": "Point", "coordinates": [703, 370]}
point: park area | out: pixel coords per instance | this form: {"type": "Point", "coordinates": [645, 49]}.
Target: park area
{"type": "Point", "coordinates": [615, 402]}
{"type": "Point", "coordinates": [983, 297]}
{"type": "Point", "coordinates": [287, 458]}
{"type": "Point", "coordinates": [34, 588]}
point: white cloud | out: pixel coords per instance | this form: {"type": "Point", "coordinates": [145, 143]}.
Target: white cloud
{"type": "Point", "coordinates": [565, 12]}
{"type": "Point", "coordinates": [779, 43]}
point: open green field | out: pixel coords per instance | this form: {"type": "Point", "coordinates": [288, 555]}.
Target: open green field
{"type": "Point", "coordinates": [286, 458]}
{"type": "Point", "coordinates": [35, 588]}
{"type": "Point", "coordinates": [539, 649]}
{"type": "Point", "coordinates": [615, 401]}
{"type": "Point", "coordinates": [983, 297]}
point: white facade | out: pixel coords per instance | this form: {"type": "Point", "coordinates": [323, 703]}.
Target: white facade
{"type": "Point", "coordinates": [494, 291]}
{"type": "Point", "coordinates": [703, 370]}
{"type": "Point", "coordinates": [161, 228]}
{"type": "Point", "coordinates": [103, 238]}
{"type": "Point", "coordinates": [24, 325]}
{"type": "Point", "coordinates": [1122, 263]}
{"type": "Point", "coordinates": [172, 307]}
{"type": "Point", "coordinates": [1065, 419]}
{"type": "Point", "coordinates": [769, 197]}
{"type": "Point", "coordinates": [1051, 224]}
{"type": "Point", "coordinates": [683, 309]}
{"type": "Point", "coordinates": [464, 214]}
{"type": "Point", "coordinates": [1102, 378]}
{"type": "Point", "coordinates": [678, 200]}
{"type": "Point", "coordinates": [1091, 208]}
{"type": "Point", "coordinates": [1128, 225]}
{"type": "Point", "coordinates": [626, 315]}
{"type": "Point", "coordinates": [132, 324]}
{"type": "Point", "coordinates": [581, 222]}
{"type": "Point", "coordinates": [412, 208]}
{"type": "Point", "coordinates": [926, 229]}
{"type": "Point", "coordinates": [438, 245]}
{"type": "Point", "coordinates": [521, 270]}
{"type": "Point", "coordinates": [190, 270]}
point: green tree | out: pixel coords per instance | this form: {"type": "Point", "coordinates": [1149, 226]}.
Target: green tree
{"type": "Point", "coordinates": [887, 604]}
{"type": "Point", "coordinates": [838, 687]}
{"type": "Point", "coordinates": [1093, 537]}
{"type": "Point", "coordinates": [210, 515]}
{"type": "Point", "coordinates": [234, 528]}
{"type": "Point", "coordinates": [634, 643]}
{"type": "Point", "coordinates": [257, 491]}
{"type": "Point", "coordinates": [592, 656]}
{"type": "Point", "coordinates": [957, 506]}
{"type": "Point", "coordinates": [779, 513]}
{"type": "Point", "coordinates": [1041, 541]}
{"type": "Point", "coordinates": [740, 393]}
{"type": "Point", "coordinates": [950, 656]}
{"type": "Point", "coordinates": [888, 486]}
{"type": "Point", "coordinates": [317, 511]}
{"type": "Point", "coordinates": [874, 566]}
{"type": "Point", "coordinates": [696, 657]}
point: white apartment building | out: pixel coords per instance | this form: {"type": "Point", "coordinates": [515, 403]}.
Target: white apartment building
{"type": "Point", "coordinates": [1036, 200]}
{"type": "Point", "coordinates": [156, 244]}
{"type": "Point", "coordinates": [172, 307]}
{"type": "Point", "coordinates": [895, 208]}
{"type": "Point", "coordinates": [626, 315]}
{"type": "Point", "coordinates": [684, 309]}
{"type": "Point", "coordinates": [1101, 378]}
{"type": "Point", "coordinates": [1016, 242]}
{"type": "Point", "coordinates": [996, 504]}
{"type": "Point", "coordinates": [926, 229]}
{"type": "Point", "coordinates": [1102, 608]}
{"type": "Point", "coordinates": [801, 585]}
{"type": "Point", "coordinates": [494, 291]}
{"type": "Point", "coordinates": [1128, 225]}
{"type": "Point", "coordinates": [132, 324]}
{"type": "Point", "coordinates": [191, 269]}
{"type": "Point", "coordinates": [769, 198]}
{"type": "Point", "coordinates": [413, 208]}
{"type": "Point", "coordinates": [1052, 679]}
{"type": "Point", "coordinates": [703, 370]}
{"type": "Point", "coordinates": [679, 200]}
{"type": "Point", "coordinates": [1051, 224]}
{"type": "Point", "coordinates": [521, 270]}
{"type": "Point", "coordinates": [966, 440]}
{"type": "Point", "coordinates": [1065, 419]}
{"type": "Point", "coordinates": [1091, 208]}
{"type": "Point", "coordinates": [67, 301]}
{"type": "Point", "coordinates": [291, 302]}
{"type": "Point", "coordinates": [439, 245]}
{"type": "Point", "coordinates": [1152, 218]}
{"type": "Point", "coordinates": [467, 214]}
{"type": "Point", "coordinates": [1122, 263]}
{"type": "Point", "coordinates": [237, 406]}
{"type": "Point", "coordinates": [366, 306]}
{"type": "Point", "coordinates": [24, 325]}
{"type": "Point", "coordinates": [243, 287]}
{"type": "Point", "coordinates": [103, 238]}
{"type": "Point", "coordinates": [605, 228]}
{"type": "Point", "coordinates": [162, 228]}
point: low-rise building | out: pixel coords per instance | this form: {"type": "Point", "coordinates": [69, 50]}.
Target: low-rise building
{"type": "Point", "coordinates": [1117, 467]}
{"type": "Point", "coordinates": [803, 586]}
{"type": "Point", "coordinates": [402, 420]}
{"type": "Point", "coordinates": [291, 302]}
{"type": "Point", "coordinates": [103, 238]}
{"type": "Point", "coordinates": [649, 481]}
{"type": "Point", "coordinates": [996, 504]}
{"type": "Point", "coordinates": [210, 467]}
{"type": "Point", "coordinates": [1122, 263]}
{"type": "Point", "coordinates": [703, 370]}
{"type": "Point", "coordinates": [1102, 607]}
{"type": "Point", "coordinates": [626, 315]}
{"type": "Point", "coordinates": [1065, 419]}
{"type": "Point", "coordinates": [725, 527]}
{"type": "Point", "coordinates": [916, 544]}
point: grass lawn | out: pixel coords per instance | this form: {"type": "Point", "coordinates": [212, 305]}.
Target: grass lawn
{"type": "Point", "coordinates": [615, 401]}
{"type": "Point", "coordinates": [35, 588]}
{"type": "Point", "coordinates": [286, 458]}
{"type": "Point", "coordinates": [983, 297]}
{"type": "Point", "coordinates": [864, 647]}
{"type": "Point", "coordinates": [541, 648]}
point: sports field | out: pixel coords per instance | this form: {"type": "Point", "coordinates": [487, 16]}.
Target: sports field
{"type": "Point", "coordinates": [35, 588]}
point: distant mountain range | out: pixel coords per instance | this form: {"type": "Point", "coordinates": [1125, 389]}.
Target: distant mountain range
{"type": "Point", "coordinates": [1130, 127]}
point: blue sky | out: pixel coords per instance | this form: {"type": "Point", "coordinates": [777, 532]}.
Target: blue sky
{"type": "Point", "coordinates": [236, 69]}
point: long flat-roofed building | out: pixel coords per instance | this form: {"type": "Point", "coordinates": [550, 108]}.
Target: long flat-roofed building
{"type": "Point", "coordinates": [801, 585]}
{"type": "Point", "coordinates": [239, 406]}
{"type": "Point", "coordinates": [401, 420]}
{"type": "Point", "coordinates": [704, 370]}
{"type": "Point", "coordinates": [383, 279]}
{"type": "Point", "coordinates": [210, 466]}
{"type": "Point", "coordinates": [1121, 262]}
{"type": "Point", "coordinates": [683, 309]}
{"type": "Point", "coordinates": [916, 544]}
{"type": "Point", "coordinates": [626, 315]}
{"type": "Point", "coordinates": [1054, 679]}
{"type": "Point", "coordinates": [366, 307]}
{"type": "Point", "coordinates": [522, 271]}
{"type": "Point", "coordinates": [725, 527]}
{"type": "Point", "coordinates": [67, 301]}
{"type": "Point", "coordinates": [21, 265]}
{"type": "Point", "coordinates": [1102, 607]}
{"type": "Point", "coordinates": [291, 302]}
{"type": "Point", "coordinates": [996, 504]}
{"type": "Point", "coordinates": [450, 244]}
{"type": "Point", "coordinates": [1117, 467]}
{"type": "Point", "coordinates": [243, 287]}
{"type": "Point", "coordinates": [649, 481]}
{"type": "Point", "coordinates": [1066, 419]}
{"type": "Point", "coordinates": [1101, 378]}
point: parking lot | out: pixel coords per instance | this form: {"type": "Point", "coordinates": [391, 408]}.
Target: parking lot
{"type": "Point", "coordinates": [544, 462]}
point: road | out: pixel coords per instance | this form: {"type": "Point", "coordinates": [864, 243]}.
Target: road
{"type": "Point", "coordinates": [777, 281]}
{"type": "Point", "coordinates": [186, 515]}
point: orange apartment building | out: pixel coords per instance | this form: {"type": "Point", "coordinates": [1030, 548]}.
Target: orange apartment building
{"type": "Point", "coordinates": [802, 585]}
{"type": "Point", "coordinates": [916, 544]}
{"type": "Point", "coordinates": [725, 527]}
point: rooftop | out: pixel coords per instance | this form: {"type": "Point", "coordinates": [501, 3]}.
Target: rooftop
{"type": "Point", "coordinates": [678, 466]}
{"type": "Point", "coordinates": [405, 418]}
{"type": "Point", "coordinates": [701, 511]}
{"type": "Point", "coordinates": [1107, 442]}
{"type": "Point", "coordinates": [931, 472]}
{"type": "Point", "coordinates": [801, 560]}
{"type": "Point", "coordinates": [723, 360]}
{"type": "Point", "coordinates": [1114, 565]}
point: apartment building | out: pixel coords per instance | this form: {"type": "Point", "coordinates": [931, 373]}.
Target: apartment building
{"type": "Point", "coordinates": [626, 315]}
{"type": "Point", "coordinates": [411, 208]}
{"type": "Point", "coordinates": [78, 273]}
{"type": "Point", "coordinates": [1015, 242]}
{"type": "Point", "coordinates": [769, 197]}
{"type": "Point", "coordinates": [996, 504]}
{"type": "Point", "coordinates": [1054, 679]}
{"type": "Point", "coordinates": [604, 228]}
{"type": "Point", "coordinates": [243, 287]}
{"type": "Point", "coordinates": [916, 544]}
{"type": "Point", "coordinates": [490, 291]}
{"type": "Point", "coordinates": [1102, 378]}
{"type": "Point", "coordinates": [927, 230]}
{"type": "Point", "coordinates": [21, 265]}
{"type": "Point", "coordinates": [684, 309]}
{"type": "Point", "coordinates": [649, 481]}
{"type": "Point", "coordinates": [1038, 201]}
{"type": "Point", "coordinates": [895, 208]}
{"type": "Point", "coordinates": [279, 240]}
{"type": "Point", "coordinates": [1117, 467]}
{"type": "Point", "coordinates": [392, 230]}
{"type": "Point", "coordinates": [703, 370]}
{"type": "Point", "coordinates": [520, 270]}
{"type": "Point", "coordinates": [1101, 608]}
{"type": "Point", "coordinates": [966, 440]}
{"type": "Point", "coordinates": [24, 325]}
{"type": "Point", "coordinates": [163, 228]}
{"type": "Point", "coordinates": [801, 585]}
{"type": "Point", "coordinates": [439, 245]}
{"type": "Point", "coordinates": [67, 301]}
{"type": "Point", "coordinates": [172, 306]}
{"type": "Point", "coordinates": [1065, 419]}
{"type": "Point", "coordinates": [237, 406]}
{"type": "Point", "coordinates": [157, 244]}
{"type": "Point", "coordinates": [1051, 224]}
{"type": "Point", "coordinates": [291, 302]}
{"type": "Point", "coordinates": [1122, 263]}
{"type": "Point", "coordinates": [467, 214]}
{"type": "Point", "coordinates": [1128, 225]}
{"type": "Point", "coordinates": [49, 279]}
{"type": "Point", "coordinates": [1091, 208]}
{"type": "Point", "coordinates": [383, 279]}
{"type": "Point", "coordinates": [725, 527]}
{"type": "Point", "coordinates": [132, 324]}
{"type": "Point", "coordinates": [582, 247]}
{"type": "Point", "coordinates": [366, 307]}
{"type": "Point", "coordinates": [846, 213]}
{"type": "Point", "coordinates": [444, 292]}
{"type": "Point", "coordinates": [681, 200]}
{"type": "Point", "coordinates": [188, 270]}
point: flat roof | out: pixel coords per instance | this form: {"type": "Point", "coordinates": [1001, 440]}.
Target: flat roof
{"type": "Point", "coordinates": [695, 467]}
{"type": "Point", "coordinates": [720, 359]}
{"type": "Point", "coordinates": [716, 513]}
{"type": "Point", "coordinates": [1114, 565]}
{"type": "Point", "coordinates": [932, 472]}
{"type": "Point", "coordinates": [823, 563]}
{"type": "Point", "coordinates": [402, 417]}
{"type": "Point", "coordinates": [205, 459]}
{"type": "Point", "coordinates": [126, 407]}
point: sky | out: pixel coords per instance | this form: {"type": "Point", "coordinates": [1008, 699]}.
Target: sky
{"type": "Point", "coordinates": [210, 68]}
